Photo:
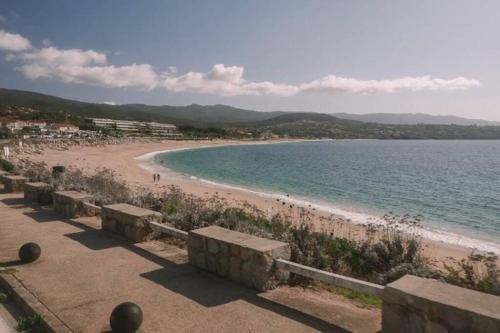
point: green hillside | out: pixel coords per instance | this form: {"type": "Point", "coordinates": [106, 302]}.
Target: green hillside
{"type": "Point", "coordinates": [311, 125]}
{"type": "Point", "coordinates": [55, 108]}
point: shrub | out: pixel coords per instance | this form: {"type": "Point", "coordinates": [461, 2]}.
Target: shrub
{"type": "Point", "coordinates": [478, 272]}
{"type": "Point", "coordinates": [6, 165]}
{"type": "Point", "coordinates": [3, 295]}
{"type": "Point", "coordinates": [104, 185]}
{"type": "Point", "coordinates": [32, 323]}
{"type": "Point", "coordinates": [34, 171]}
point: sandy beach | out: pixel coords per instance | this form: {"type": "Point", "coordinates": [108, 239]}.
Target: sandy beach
{"type": "Point", "coordinates": [133, 163]}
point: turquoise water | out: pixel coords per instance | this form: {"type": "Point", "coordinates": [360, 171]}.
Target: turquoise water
{"type": "Point", "coordinates": [455, 185]}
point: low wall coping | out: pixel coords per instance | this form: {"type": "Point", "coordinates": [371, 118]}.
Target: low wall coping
{"type": "Point", "coordinates": [37, 184]}
{"type": "Point", "coordinates": [238, 238]}
{"type": "Point", "coordinates": [14, 177]}
{"type": "Point", "coordinates": [131, 210]}
{"type": "Point", "coordinates": [73, 195]}
{"type": "Point", "coordinates": [443, 293]}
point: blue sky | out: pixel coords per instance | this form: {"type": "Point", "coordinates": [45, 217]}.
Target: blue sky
{"type": "Point", "coordinates": [439, 57]}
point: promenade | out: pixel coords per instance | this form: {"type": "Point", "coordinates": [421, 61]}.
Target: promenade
{"type": "Point", "coordinates": [85, 272]}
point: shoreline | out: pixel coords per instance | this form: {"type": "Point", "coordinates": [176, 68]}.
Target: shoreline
{"type": "Point", "coordinates": [148, 162]}
{"type": "Point", "coordinates": [129, 160]}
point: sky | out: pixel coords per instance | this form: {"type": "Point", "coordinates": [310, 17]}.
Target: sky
{"type": "Point", "coordinates": [436, 57]}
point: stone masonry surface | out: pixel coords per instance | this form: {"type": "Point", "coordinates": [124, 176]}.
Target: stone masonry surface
{"type": "Point", "coordinates": [237, 256]}
{"type": "Point", "coordinates": [13, 183]}
{"type": "Point", "coordinates": [413, 304]}
{"type": "Point", "coordinates": [130, 221]}
{"type": "Point", "coordinates": [70, 203]}
{"type": "Point", "coordinates": [37, 192]}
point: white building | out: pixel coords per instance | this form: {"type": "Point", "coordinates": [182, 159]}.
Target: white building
{"type": "Point", "coordinates": [161, 129]}
{"type": "Point", "coordinates": [18, 125]}
{"type": "Point", "coordinates": [136, 126]}
{"type": "Point", "coordinates": [64, 128]}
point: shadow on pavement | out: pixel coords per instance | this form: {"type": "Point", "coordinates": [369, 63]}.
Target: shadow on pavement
{"type": "Point", "coordinates": [14, 202]}
{"type": "Point", "coordinates": [202, 287]}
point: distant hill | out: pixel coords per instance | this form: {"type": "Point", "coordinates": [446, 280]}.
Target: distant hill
{"type": "Point", "coordinates": [314, 125]}
{"type": "Point", "coordinates": [227, 119]}
{"type": "Point", "coordinates": [414, 119]}
{"type": "Point", "coordinates": [200, 115]}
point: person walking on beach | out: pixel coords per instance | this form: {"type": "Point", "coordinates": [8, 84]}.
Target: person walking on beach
{"type": "Point", "coordinates": [158, 177]}
{"type": "Point", "coordinates": [154, 178]}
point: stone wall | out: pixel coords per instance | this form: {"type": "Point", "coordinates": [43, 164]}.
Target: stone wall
{"type": "Point", "coordinates": [13, 183]}
{"type": "Point", "coordinates": [70, 203]}
{"type": "Point", "coordinates": [38, 192]}
{"type": "Point", "coordinates": [413, 304]}
{"type": "Point", "coordinates": [237, 256]}
{"type": "Point", "coordinates": [130, 221]}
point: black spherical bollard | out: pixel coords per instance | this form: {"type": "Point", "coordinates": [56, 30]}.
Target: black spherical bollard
{"type": "Point", "coordinates": [126, 318]}
{"type": "Point", "coordinates": [29, 252]}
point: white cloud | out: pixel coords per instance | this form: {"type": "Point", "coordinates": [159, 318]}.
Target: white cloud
{"type": "Point", "coordinates": [223, 80]}
{"type": "Point", "coordinates": [229, 81]}
{"type": "Point", "coordinates": [92, 68]}
{"type": "Point", "coordinates": [13, 42]}
{"type": "Point", "coordinates": [85, 67]}
{"type": "Point", "coordinates": [334, 84]}
{"type": "Point", "coordinates": [109, 103]}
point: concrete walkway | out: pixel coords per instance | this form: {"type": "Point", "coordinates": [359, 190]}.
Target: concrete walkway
{"type": "Point", "coordinates": [84, 272]}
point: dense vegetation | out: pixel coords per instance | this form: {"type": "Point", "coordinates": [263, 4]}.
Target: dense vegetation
{"type": "Point", "coordinates": [311, 125]}
{"type": "Point", "coordinates": [59, 109]}
{"type": "Point", "coordinates": [224, 121]}
{"type": "Point", "coordinates": [206, 132]}
{"type": "Point", "coordinates": [6, 165]}
{"type": "Point", "coordinates": [414, 119]}
{"type": "Point", "coordinates": [384, 254]}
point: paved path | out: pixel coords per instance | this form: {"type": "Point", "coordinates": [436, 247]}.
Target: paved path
{"type": "Point", "coordinates": [84, 272]}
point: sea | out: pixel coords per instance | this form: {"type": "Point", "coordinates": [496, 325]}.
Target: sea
{"type": "Point", "coordinates": [453, 185]}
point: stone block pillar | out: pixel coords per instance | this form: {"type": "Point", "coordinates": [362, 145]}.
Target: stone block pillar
{"type": "Point", "coordinates": [70, 203]}
{"type": "Point", "coordinates": [38, 193]}
{"type": "Point", "coordinates": [130, 221]}
{"type": "Point", "coordinates": [238, 256]}
{"type": "Point", "coordinates": [413, 304]}
{"type": "Point", "coordinates": [13, 183]}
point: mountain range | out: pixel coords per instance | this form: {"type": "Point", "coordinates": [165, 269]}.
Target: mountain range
{"type": "Point", "coordinates": [223, 120]}
{"type": "Point", "coordinates": [203, 115]}
{"type": "Point", "coordinates": [414, 118]}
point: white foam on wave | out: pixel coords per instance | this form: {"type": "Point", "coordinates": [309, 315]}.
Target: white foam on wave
{"type": "Point", "coordinates": [147, 162]}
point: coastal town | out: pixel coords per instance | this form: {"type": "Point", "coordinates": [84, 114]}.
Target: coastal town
{"type": "Point", "coordinates": [26, 129]}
